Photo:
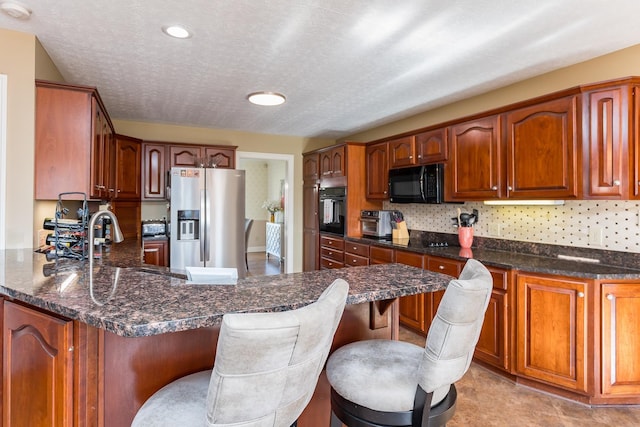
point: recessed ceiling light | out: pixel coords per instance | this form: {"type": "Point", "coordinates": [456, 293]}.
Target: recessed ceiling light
{"type": "Point", "coordinates": [266, 98]}
{"type": "Point", "coordinates": [176, 31]}
{"type": "Point", "coordinates": [15, 10]}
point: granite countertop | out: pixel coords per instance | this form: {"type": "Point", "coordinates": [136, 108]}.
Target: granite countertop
{"type": "Point", "coordinates": [131, 299]}
{"type": "Point", "coordinates": [514, 260]}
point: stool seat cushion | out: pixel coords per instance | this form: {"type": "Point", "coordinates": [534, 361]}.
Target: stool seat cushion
{"type": "Point", "coordinates": [180, 403]}
{"type": "Point", "coordinates": [381, 375]}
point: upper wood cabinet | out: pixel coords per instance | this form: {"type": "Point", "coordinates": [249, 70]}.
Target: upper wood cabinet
{"type": "Point", "coordinates": [542, 150]}
{"type": "Point", "coordinates": [432, 146]}
{"type": "Point", "coordinates": [607, 142]}
{"type": "Point", "coordinates": [154, 159]}
{"type": "Point", "coordinates": [476, 168]}
{"type": "Point", "coordinates": [402, 152]}
{"type": "Point", "coordinates": [377, 166]}
{"type": "Point", "coordinates": [127, 165]}
{"type": "Point", "coordinates": [219, 157]}
{"type": "Point", "coordinates": [332, 162]}
{"type": "Point", "coordinates": [310, 167]}
{"type": "Point", "coordinates": [184, 156]}
{"type": "Point", "coordinates": [73, 136]}
{"type": "Point", "coordinates": [552, 330]}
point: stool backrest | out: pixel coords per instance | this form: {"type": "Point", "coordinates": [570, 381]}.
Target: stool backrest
{"type": "Point", "coordinates": [455, 330]}
{"type": "Point", "coordinates": [267, 364]}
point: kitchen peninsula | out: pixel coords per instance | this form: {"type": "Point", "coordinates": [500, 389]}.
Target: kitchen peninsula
{"type": "Point", "coordinates": [88, 349]}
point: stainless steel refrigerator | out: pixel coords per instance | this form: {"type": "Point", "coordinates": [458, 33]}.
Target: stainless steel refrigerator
{"type": "Point", "coordinates": [207, 218]}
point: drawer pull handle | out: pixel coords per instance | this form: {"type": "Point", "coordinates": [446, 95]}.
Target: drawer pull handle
{"type": "Point", "coordinates": [580, 294]}
{"type": "Point", "coordinates": [355, 260]}
{"type": "Point", "coordinates": [610, 297]}
{"type": "Point", "coordinates": [152, 250]}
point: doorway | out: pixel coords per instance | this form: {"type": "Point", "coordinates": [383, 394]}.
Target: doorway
{"type": "Point", "coordinates": [273, 184]}
{"type": "Point", "coordinates": [3, 158]}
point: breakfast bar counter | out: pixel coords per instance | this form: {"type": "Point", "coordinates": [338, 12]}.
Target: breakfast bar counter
{"type": "Point", "coordinates": [105, 340]}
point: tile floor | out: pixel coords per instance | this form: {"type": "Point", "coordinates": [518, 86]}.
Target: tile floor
{"type": "Point", "coordinates": [487, 399]}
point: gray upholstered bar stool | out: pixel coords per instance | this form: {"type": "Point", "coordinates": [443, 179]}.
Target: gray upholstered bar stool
{"type": "Point", "coordinates": [394, 383]}
{"type": "Point", "coordinates": [266, 370]}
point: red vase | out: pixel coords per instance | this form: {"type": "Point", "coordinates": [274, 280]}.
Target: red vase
{"type": "Point", "coordinates": [465, 237]}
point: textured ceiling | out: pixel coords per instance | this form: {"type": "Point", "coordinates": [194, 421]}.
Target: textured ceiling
{"type": "Point", "coordinates": [345, 66]}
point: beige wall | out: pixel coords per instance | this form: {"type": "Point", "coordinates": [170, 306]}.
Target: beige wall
{"type": "Point", "coordinates": [622, 63]}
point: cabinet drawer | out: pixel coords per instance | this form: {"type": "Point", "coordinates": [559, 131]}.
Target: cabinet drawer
{"type": "Point", "coordinates": [380, 255]}
{"type": "Point", "coordinates": [334, 242]}
{"type": "Point", "coordinates": [326, 263]}
{"type": "Point", "coordinates": [499, 278]}
{"type": "Point", "coordinates": [445, 266]}
{"type": "Point", "coordinates": [357, 249]}
{"type": "Point", "coordinates": [332, 253]}
{"type": "Point", "coordinates": [355, 260]}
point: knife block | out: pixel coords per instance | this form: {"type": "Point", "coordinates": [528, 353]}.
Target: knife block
{"type": "Point", "coordinates": [400, 232]}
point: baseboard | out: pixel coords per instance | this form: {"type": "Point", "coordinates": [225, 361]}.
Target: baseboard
{"type": "Point", "coordinates": [257, 249]}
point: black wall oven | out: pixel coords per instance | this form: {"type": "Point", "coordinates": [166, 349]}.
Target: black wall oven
{"type": "Point", "coordinates": [332, 210]}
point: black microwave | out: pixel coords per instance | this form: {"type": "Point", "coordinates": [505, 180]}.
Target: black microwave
{"type": "Point", "coordinates": [419, 184]}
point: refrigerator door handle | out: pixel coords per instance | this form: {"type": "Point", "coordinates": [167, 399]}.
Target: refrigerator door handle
{"type": "Point", "coordinates": [207, 221]}
{"type": "Point", "coordinates": [203, 196]}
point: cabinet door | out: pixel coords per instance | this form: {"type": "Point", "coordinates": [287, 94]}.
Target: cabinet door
{"type": "Point", "coordinates": [402, 152]}
{"type": "Point", "coordinates": [338, 162]}
{"type": "Point", "coordinates": [432, 146]}
{"type": "Point", "coordinates": [310, 233]}
{"type": "Point", "coordinates": [310, 167]}
{"type": "Point", "coordinates": [154, 172]}
{"type": "Point", "coordinates": [542, 150]}
{"type": "Point", "coordinates": [156, 252]}
{"type": "Point", "coordinates": [377, 171]}
{"type": "Point", "coordinates": [606, 143]}
{"type": "Point", "coordinates": [128, 214]}
{"type": "Point", "coordinates": [378, 255]}
{"type": "Point", "coordinates": [99, 151]}
{"type": "Point", "coordinates": [220, 157]}
{"type": "Point", "coordinates": [310, 245]}
{"type": "Point", "coordinates": [494, 343]}
{"type": "Point", "coordinates": [620, 339]}
{"type": "Point", "coordinates": [412, 306]}
{"type": "Point", "coordinates": [432, 299]}
{"type": "Point", "coordinates": [635, 173]}
{"type": "Point", "coordinates": [551, 330]}
{"type": "Point", "coordinates": [476, 171]}
{"type": "Point", "coordinates": [184, 155]}
{"type": "Point", "coordinates": [127, 167]}
{"type": "Point", "coordinates": [37, 368]}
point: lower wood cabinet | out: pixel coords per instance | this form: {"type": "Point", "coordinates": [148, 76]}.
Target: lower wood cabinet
{"type": "Point", "coordinates": [37, 368]}
{"type": "Point", "coordinates": [412, 312]}
{"type": "Point", "coordinates": [620, 341]}
{"type": "Point", "coordinates": [156, 252]}
{"type": "Point", "coordinates": [331, 252]}
{"type": "Point", "coordinates": [552, 330]}
{"type": "Point", "coordinates": [356, 254]}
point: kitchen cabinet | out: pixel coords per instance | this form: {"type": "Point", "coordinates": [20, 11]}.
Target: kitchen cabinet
{"type": "Point", "coordinates": [378, 255]}
{"type": "Point", "coordinates": [412, 312]}
{"type": "Point", "coordinates": [274, 239]}
{"type": "Point", "coordinates": [542, 150]}
{"type": "Point", "coordinates": [432, 299]}
{"type": "Point", "coordinates": [553, 330]}
{"type": "Point", "coordinates": [432, 146]}
{"type": "Point", "coordinates": [38, 365]}
{"type": "Point", "coordinates": [494, 343]}
{"type": "Point", "coordinates": [310, 167]}
{"type": "Point", "coordinates": [620, 341]}
{"type": "Point", "coordinates": [154, 171]}
{"type": "Point", "coordinates": [607, 142]}
{"type": "Point", "coordinates": [156, 252]}
{"type": "Point", "coordinates": [219, 157]}
{"type": "Point", "coordinates": [402, 152]}
{"type": "Point", "coordinates": [332, 162]}
{"type": "Point", "coordinates": [128, 213]}
{"type": "Point", "coordinates": [127, 167]}
{"type": "Point", "coordinates": [476, 162]}
{"type": "Point", "coordinates": [377, 167]}
{"type": "Point", "coordinates": [355, 254]}
{"type": "Point", "coordinates": [331, 252]}
{"type": "Point", "coordinates": [73, 134]}
{"type": "Point", "coordinates": [183, 155]}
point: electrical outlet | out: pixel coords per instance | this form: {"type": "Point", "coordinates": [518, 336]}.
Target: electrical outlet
{"type": "Point", "coordinates": [596, 236]}
{"type": "Point", "coordinates": [495, 229]}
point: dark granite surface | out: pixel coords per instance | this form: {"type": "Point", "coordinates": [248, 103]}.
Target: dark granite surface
{"type": "Point", "coordinates": [523, 256]}
{"type": "Point", "coordinates": [145, 300]}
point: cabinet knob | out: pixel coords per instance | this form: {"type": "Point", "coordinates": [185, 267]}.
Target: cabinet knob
{"type": "Point", "coordinates": [616, 182]}
{"type": "Point", "coordinates": [419, 156]}
{"type": "Point", "coordinates": [509, 188]}
{"type": "Point", "coordinates": [386, 192]}
{"type": "Point", "coordinates": [610, 297]}
{"type": "Point", "coordinates": [355, 260]}
{"type": "Point", "coordinates": [494, 188]}
{"type": "Point", "coordinates": [354, 248]}
{"type": "Point", "coordinates": [410, 157]}
{"type": "Point", "coordinates": [441, 267]}
{"type": "Point", "coordinates": [580, 294]}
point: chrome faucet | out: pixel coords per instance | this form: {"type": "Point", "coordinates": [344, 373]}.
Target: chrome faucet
{"type": "Point", "coordinates": [117, 236]}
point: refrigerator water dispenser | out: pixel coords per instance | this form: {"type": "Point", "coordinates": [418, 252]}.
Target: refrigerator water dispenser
{"type": "Point", "coordinates": [188, 225]}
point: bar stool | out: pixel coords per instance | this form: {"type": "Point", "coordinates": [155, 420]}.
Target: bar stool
{"type": "Point", "coordinates": [265, 372]}
{"type": "Point", "coordinates": [394, 383]}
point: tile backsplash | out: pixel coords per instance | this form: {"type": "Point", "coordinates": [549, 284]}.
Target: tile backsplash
{"type": "Point", "coordinates": [602, 224]}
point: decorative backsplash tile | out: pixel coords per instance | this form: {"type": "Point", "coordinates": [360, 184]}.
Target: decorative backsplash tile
{"type": "Point", "coordinates": [602, 224]}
